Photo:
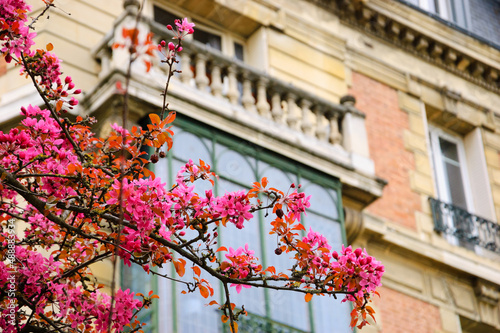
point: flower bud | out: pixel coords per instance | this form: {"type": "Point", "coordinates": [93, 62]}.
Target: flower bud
{"type": "Point", "coordinates": [73, 101]}
{"type": "Point", "coordinates": [169, 27]}
{"type": "Point", "coordinates": [77, 91]}
{"type": "Point", "coordinates": [182, 233]}
{"type": "Point", "coordinates": [171, 46]}
{"type": "Point", "coordinates": [71, 85]}
{"type": "Point", "coordinates": [163, 43]}
{"type": "Point", "coordinates": [67, 79]}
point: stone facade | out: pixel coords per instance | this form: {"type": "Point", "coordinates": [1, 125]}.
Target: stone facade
{"type": "Point", "coordinates": [410, 74]}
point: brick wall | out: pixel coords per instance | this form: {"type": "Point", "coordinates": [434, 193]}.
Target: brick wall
{"type": "Point", "coordinates": [386, 124]}
{"type": "Point", "coordinates": [402, 313]}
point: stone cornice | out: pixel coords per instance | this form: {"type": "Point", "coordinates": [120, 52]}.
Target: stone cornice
{"type": "Point", "coordinates": [379, 22]}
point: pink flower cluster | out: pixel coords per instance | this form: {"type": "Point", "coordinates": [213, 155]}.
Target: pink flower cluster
{"type": "Point", "coordinates": [39, 276]}
{"type": "Point", "coordinates": [241, 264]}
{"type": "Point", "coordinates": [296, 204]}
{"type": "Point", "coordinates": [145, 201]}
{"type": "Point", "coordinates": [15, 37]}
{"type": "Point", "coordinates": [31, 144]}
{"type": "Point", "coordinates": [361, 272]}
{"type": "Point", "coordinates": [234, 206]}
{"type": "Point", "coordinates": [183, 28]}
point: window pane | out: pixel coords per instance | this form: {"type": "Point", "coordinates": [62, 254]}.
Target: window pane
{"type": "Point", "coordinates": [238, 51]}
{"type": "Point", "coordinates": [449, 149]}
{"type": "Point", "coordinates": [455, 185]}
{"type": "Point", "coordinates": [164, 17]}
{"type": "Point", "coordinates": [235, 166]}
{"type": "Point", "coordinates": [208, 38]}
{"type": "Point", "coordinates": [188, 146]}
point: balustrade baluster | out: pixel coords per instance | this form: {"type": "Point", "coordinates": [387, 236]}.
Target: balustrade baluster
{"type": "Point", "coordinates": [293, 115]}
{"type": "Point", "coordinates": [216, 85]}
{"type": "Point", "coordinates": [247, 99]}
{"type": "Point", "coordinates": [186, 74]}
{"type": "Point", "coordinates": [277, 110]}
{"type": "Point", "coordinates": [201, 78]}
{"type": "Point", "coordinates": [262, 104]}
{"type": "Point", "coordinates": [232, 91]}
{"type": "Point", "coordinates": [321, 124]}
{"type": "Point", "coordinates": [307, 115]}
{"type": "Point", "coordinates": [335, 136]}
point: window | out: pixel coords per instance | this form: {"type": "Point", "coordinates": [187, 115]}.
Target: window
{"type": "Point", "coordinates": [464, 210]}
{"type": "Point", "coordinates": [451, 171]}
{"type": "Point", "coordinates": [450, 10]}
{"type": "Point", "coordinates": [238, 164]}
{"type": "Point", "coordinates": [223, 41]}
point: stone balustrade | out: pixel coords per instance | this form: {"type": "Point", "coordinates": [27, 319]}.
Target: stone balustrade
{"type": "Point", "coordinates": [245, 88]}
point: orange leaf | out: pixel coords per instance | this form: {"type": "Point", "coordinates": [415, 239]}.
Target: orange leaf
{"type": "Point", "coordinates": [213, 303]}
{"type": "Point", "coordinates": [204, 291]}
{"type": "Point", "coordinates": [155, 119]}
{"type": "Point", "coordinates": [235, 324]}
{"type": "Point", "coordinates": [224, 318]}
{"type": "Point", "coordinates": [264, 182]}
{"type": "Point", "coordinates": [308, 297]}
{"type": "Point", "coordinates": [222, 248]}
{"type": "Point", "coordinates": [196, 270]}
{"type": "Point", "coordinates": [170, 118]}
{"type": "Point", "coordinates": [50, 47]}
{"type": "Point", "coordinates": [180, 267]}
{"type": "Point", "coordinates": [59, 105]}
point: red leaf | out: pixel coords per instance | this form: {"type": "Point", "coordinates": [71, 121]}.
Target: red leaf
{"type": "Point", "coordinates": [308, 297]}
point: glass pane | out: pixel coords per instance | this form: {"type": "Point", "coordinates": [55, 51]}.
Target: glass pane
{"type": "Point", "coordinates": [449, 149]}
{"type": "Point", "coordinates": [238, 51]}
{"type": "Point", "coordinates": [193, 316]}
{"type": "Point", "coordinates": [189, 146]}
{"type": "Point", "coordinates": [208, 38]}
{"type": "Point", "coordinates": [321, 201]}
{"type": "Point", "coordinates": [136, 279]}
{"type": "Point", "coordinates": [455, 185]}
{"type": "Point", "coordinates": [330, 315]}
{"type": "Point", "coordinates": [165, 303]}
{"type": "Point", "coordinates": [285, 307]}
{"type": "Point", "coordinates": [164, 17]}
{"type": "Point", "coordinates": [235, 166]}
{"type": "Point", "coordinates": [277, 178]}
{"type": "Point", "coordinates": [251, 298]}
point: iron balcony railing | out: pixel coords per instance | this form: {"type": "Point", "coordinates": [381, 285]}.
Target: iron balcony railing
{"type": "Point", "coordinates": [464, 228]}
{"type": "Point", "coordinates": [253, 323]}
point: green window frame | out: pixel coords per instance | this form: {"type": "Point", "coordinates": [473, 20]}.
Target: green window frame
{"type": "Point", "coordinates": [220, 149]}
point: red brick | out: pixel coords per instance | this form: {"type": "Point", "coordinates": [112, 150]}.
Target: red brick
{"type": "Point", "coordinates": [399, 312]}
{"type": "Point", "coordinates": [385, 124]}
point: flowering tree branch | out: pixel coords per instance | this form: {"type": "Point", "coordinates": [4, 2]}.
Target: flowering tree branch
{"type": "Point", "coordinates": [85, 202]}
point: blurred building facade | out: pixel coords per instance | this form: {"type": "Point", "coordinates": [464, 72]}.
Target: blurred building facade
{"type": "Point", "coordinates": [386, 111]}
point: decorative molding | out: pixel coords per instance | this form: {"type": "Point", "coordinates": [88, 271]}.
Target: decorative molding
{"type": "Point", "coordinates": [424, 45]}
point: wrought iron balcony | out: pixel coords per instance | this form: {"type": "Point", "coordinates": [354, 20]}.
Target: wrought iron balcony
{"type": "Point", "coordinates": [464, 228]}
{"type": "Point", "coordinates": [253, 323]}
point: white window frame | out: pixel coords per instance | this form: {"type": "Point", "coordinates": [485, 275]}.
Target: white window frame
{"type": "Point", "coordinates": [444, 9]}
{"type": "Point", "coordinates": [440, 173]}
